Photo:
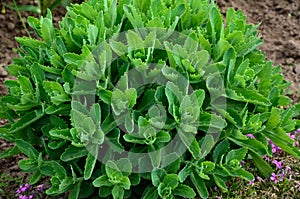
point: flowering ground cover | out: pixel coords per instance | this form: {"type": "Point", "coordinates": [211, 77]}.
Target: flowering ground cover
{"type": "Point", "coordinates": [284, 181]}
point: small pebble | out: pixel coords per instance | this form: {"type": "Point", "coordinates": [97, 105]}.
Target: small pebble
{"type": "Point", "coordinates": [2, 17]}
{"type": "Point", "coordinates": [297, 68]}
{"type": "Point", "coordinates": [11, 26]}
{"type": "Point", "coordinates": [3, 72]}
{"type": "Point", "coordinates": [290, 60]}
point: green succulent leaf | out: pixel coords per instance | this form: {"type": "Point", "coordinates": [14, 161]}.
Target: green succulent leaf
{"type": "Point", "coordinates": [72, 153]}
{"type": "Point", "coordinates": [150, 192]}
{"type": "Point", "coordinates": [265, 169]}
{"type": "Point", "coordinates": [117, 192]}
{"type": "Point", "coordinates": [27, 149]}
{"type": "Point", "coordinates": [91, 162]}
{"type": "Point", "coordinates": [102, 181]}
{"type": "Point", "coordinates": [220, 182]}
{"type": "Point", "coordinates": [199, 185]}
{"type": "Point", "coordinates": [184, 191]}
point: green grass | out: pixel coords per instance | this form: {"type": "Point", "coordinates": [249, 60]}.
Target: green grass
{"type": "Point", "coordinates": [5, 184]}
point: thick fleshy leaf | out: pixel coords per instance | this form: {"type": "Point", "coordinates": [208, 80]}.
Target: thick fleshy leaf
{"type": "Point", "coordinates": [73, 152]}
{"type": "Point", "coordinates": [117, 192]}
{"type": "Point", "coordinates": [75, 191]}
{"type": "Point", "coordinates": [27, 149]}
{"type": "Point", "coordinates": [220, 150]}
{"type": "Point", "coordinates": [101, 181]}
{"type": "Point", "coordinates": [90, 162]}
{"type": "Point", "coordinates": [184, 191]}
{"type": "Point", "coordinates": [185, 172]}
{"type": "Point", "coordinates": [264, 168]}
{"type": "Point", "coordinates": [199, 185]}
{"type": "Point", "coordinates": [190, 142]}
{"type": "Point", "coordinates": [251, 144]}
{"type": "Point", "coordinates": [150, 193]}
{"type": "Point", "coordinates": [220, 182]}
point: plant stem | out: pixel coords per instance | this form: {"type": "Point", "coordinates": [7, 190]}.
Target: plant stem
{"type": "Point", "coordinates": [21, 18]}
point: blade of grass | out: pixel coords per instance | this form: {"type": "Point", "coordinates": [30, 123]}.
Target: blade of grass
{"type": "Point", "coordinates": [20, 16]}
{"type": "Point", "coordinates": [27, 8]}
{"type": "Point", "coordinates": [55, 4]}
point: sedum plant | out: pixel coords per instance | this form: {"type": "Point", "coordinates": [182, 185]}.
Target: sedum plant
{"type": "Point", "coordinates": [144, 99]}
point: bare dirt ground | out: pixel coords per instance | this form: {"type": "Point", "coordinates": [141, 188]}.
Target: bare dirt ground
{"type": "Point", "coordinates": [280, 29]}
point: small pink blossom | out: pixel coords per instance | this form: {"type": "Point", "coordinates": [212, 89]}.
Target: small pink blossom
{"type": "Point", "coordinates": [242, 163]}
{"type": "Point", "coordinates": [215, 188]}
{"type": "Point", "coordinates": [251, 182]}
{"type": "Point", "coordinates": [274, 178]}
{"type": "Point", "coordinates": [295, 173]}
{"type": "Point", "coordinates": [23, 188]}
{"type": "Point", "coordinates": [277, 163]}
{"type": "Point", "coordinates": [275, 149]}
{"type": "Point", "coordinates": [267, 158]}
{"type": "Point", "coordinates": [40, 187]}
{"type": "Point", "coordinates": [250, 136]}
{"type": "Point", "coordinates": [294, 144]}
{"type": "Point", "coordinates": [291, 136]}
{"type": "Point", "coordinates": [259, 178]}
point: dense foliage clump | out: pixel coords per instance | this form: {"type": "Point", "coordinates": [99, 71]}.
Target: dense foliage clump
{"type": "Point", "coordinates": [144, 99]}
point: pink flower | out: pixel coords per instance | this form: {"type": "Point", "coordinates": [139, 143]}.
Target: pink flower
{"type": "Point", "coordinates": [242, 163]}
{"type": "Point", "coordinates": [274, 178]}
{"type": "Point", "coordinates": [295, 173]}
{"type": "Point", "coordinates": [250, 136]}
{"type": "Point", "coordinates": [294, 144]}
{"type": "Point", "coordinates": [267, 158]}
{"type": "Point", "coordinates": [40, 187]}
{"type": "Point", "coordinates": [259, 178]}
{"type": "Point", "coordinates": [288, 169]}
{"type": "Point", "coordinates": [277, 163]}
{"type": "Point", "coordinates": [275, 149]}
{"type": "Point", "coordinates": [23, 189]}
{"type": "Point", "coordinates": [251, 182]}
{"type": "Point", "coordinates": [215, 188]}
{"type": "Point", "coordinates": [291, 136]}
{"type": "Point", "coordinates": [18, 191]}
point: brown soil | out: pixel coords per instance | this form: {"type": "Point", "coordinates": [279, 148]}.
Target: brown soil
{"type": "Point", "coordinates": [280, 29]}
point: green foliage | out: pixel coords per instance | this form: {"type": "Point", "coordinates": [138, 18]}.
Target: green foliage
{"type": "Point", "coordinates": [159, 91]}
{"type": "Point", "coordinates": [41, 8]}
{"type": "Point", "coordinates": [5, 181]}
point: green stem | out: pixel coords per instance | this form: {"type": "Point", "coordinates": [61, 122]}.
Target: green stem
{"type": "Point", "coordinates": [20, 16]}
